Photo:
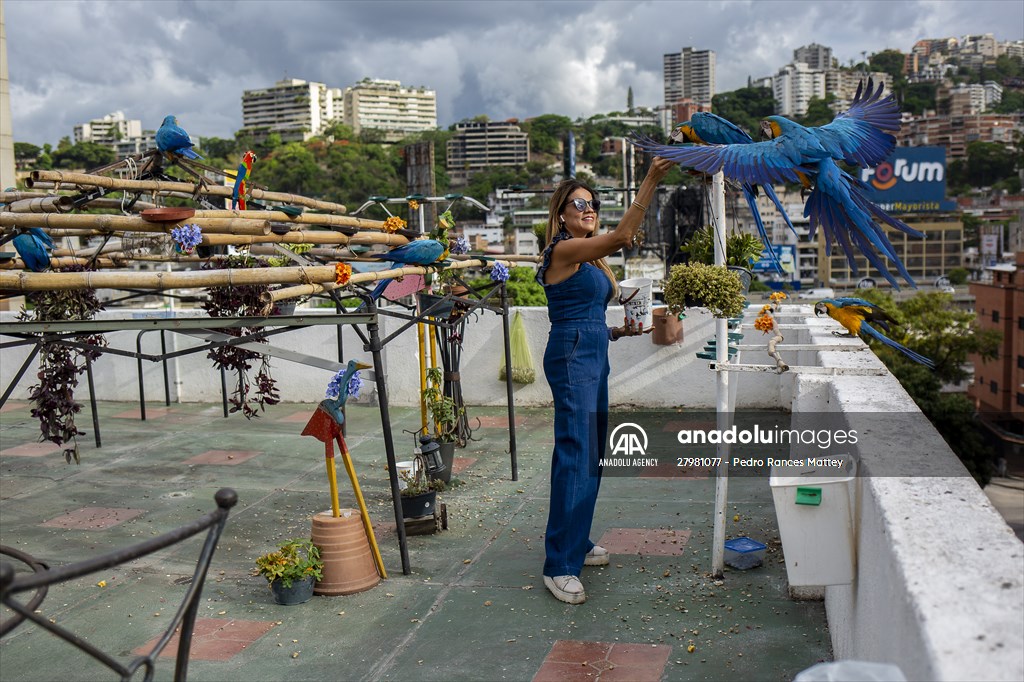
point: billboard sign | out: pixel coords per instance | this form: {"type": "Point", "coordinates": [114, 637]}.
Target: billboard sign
{"type": "Point", "coordinates": [786, 254]}
{"type": "Point", "coordinates": [911, 180]}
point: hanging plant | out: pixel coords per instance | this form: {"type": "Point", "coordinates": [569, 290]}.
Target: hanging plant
{"type": "Point", "coordinates": [60, 365]}
{"type": "Point", "coordinates": [251, 395]}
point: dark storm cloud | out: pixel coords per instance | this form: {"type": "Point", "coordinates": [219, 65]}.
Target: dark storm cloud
{"type": "Point", "coordinates": [71, 62]}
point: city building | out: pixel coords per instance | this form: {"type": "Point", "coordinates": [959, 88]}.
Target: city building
{"type": "Point", "coordinates": [294, 109]}
{"type": "Point", "coordinates": [689, 74]}
{"type": "Point", "coordinates": [389, 106]}
{"type": "Point", "coordinates": [843, 86]}
{"type": "Point", "coordinates": [477, 145]}
{"type": "Point", "coordinates": [955, 132]}
{"type": "Point", "coordinates": [109, 130]}
{"type": "Point", "coordinates": [794, 86]}
{"type": "Point", "coordinates": [818, 57]}
{"type": "Point", "coordinates": [998, 387]}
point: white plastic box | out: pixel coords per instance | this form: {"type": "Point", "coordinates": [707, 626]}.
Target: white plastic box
{"type": "Point", "coordinates": [815, 509]}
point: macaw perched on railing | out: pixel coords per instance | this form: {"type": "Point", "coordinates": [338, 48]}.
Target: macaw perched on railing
{"type": "Point", "coordinates": [172, 139]}
{"type": "Point", "coordinates": [707, 128]}
{"type": "Point", "coordinates": [860, 136]}
{"type": "Point", "coordinates": [856, 316]}
{"type": "Point", "coordinates": [241, 180]}
{"type": "Point", "coordinates": [34, 247]}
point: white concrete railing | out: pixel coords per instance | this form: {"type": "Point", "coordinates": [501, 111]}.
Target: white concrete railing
{"type": "Point", "coordinates": [939, 584]}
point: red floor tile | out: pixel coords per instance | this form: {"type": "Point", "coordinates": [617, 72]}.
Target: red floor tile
{"type": "Point", "coordinates": [573, 660]}
{"type": "Point", "coordinates": [645, 541]}
{"type": "Point", "coordinates": [214, 639]}
{"type": "Point", "coordinates": [151, 413]}
{"type": "Point", "coordinates": [225, 457]}
{"type": "Point", "coordinates": [298, 417]}
{"type": "Point", "coordinates": [31, 450]}
{"type": "Point", "coordinates": [460, 464]}
{"type": "Point", "coordinates": [93, 518]}
{"type": "Point", "coordinates": [14, 406]}
{"type": "Point", "coordinates": [497, 422]}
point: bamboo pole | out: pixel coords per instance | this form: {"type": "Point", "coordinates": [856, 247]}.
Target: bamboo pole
{"type": "Point", "coordinates": [166, 186]}
{"type": "Point", "coordinates": [303, 219]}
{"type": "Point", "coordinates": [48, 204]}
{"type": "Point", "coordinates": [306, 237]}
{"type": "Point", "coordinates": [110, 223]}
{"type": "Point", "coordinates": [12, 196]}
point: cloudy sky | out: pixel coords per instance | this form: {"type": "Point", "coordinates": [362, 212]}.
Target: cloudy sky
{"type": "Point", "coordinates": [74, 61]}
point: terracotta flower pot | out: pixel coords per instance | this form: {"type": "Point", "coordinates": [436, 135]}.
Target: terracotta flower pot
{"type": "Point", "coordinates": [668, 328]}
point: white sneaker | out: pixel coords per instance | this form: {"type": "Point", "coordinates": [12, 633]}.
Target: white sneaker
{"type": "Point", "coordinates": [567, 588]}
{"type": "Point", "coordinates": [596, 557]}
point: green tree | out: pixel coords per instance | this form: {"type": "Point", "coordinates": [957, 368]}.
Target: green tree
{"type": "Point", "coordinates": [888, 61]}
{"type": "Point", "coordinates": [522, 287]}
{"type": "Point", "coordinates": [818, 111]}
{"type": "Point", "coordinates": [547, 132]}
{"type": "Point", "coordinates": [629, 99]}
{"type": "Point", "coordinates": [216, 148]}
{"type": "Point", "coordinates": [958, 276]}
{"type": "Point", "coordinates": [292, 168]}
{"type": "Point", "coordinates": [82, 155]}
{"type": "Point", "coordinates": [916, 97]}
{"type": "Point", "coordinates": [23, 151]}
{"type": "Point", "coordinates": [990, 162]}
{"type": "Point", "coordinates": [746, 107]}
{"type": "Point", "coordinates": [1011, 103]}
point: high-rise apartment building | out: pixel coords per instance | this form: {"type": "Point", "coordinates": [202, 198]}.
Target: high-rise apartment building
{"type": "Point", "coordinates": [794, 86]}
{"type": "Point", "coordinates": [477, 145]}
{"type": "Point", "coordinates": [388, 106]}
{"type": "Point", "coordinates": [689, 74]}
{"type": "Point", "coordinates": [818, 57]}
{"type": "Point", "coordinates": [294, 109]}
{"type": "Point", "coordinates": [109, 130]}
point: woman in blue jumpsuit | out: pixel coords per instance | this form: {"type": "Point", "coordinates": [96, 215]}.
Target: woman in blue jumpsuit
{"type": "Point", "coordinates": [579, 284]}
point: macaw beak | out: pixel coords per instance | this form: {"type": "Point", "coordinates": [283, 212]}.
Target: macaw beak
{"type": "Point", "coordinates": [766, 130]}
{"type": "Point", "coordinates": [819, 309]}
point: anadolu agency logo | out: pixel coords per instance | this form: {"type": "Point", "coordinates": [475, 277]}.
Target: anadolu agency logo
{"type": "Point", "coordinates": [628, 440]}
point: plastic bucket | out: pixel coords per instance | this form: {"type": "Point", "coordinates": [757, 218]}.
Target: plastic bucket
{"type": "Point", "coordinates": [348, 562]}
{"type": "Point", "coordinates": [408, 468]}
{"type": "Point", "coordinates": [635, 295]}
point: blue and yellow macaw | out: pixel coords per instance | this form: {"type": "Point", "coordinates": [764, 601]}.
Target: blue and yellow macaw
{"type": "Point", "coordinates": [419, 252]}
{"type": "Point", "coordinates": [241, 180]}
{"type": "Point", "coordinates": [173, 140]}
{"type": "Point", "coordinates": [707, 128]}
{"type": "Point", "coordinates": [34, 247]}
{"type": "Point", "coordinates": [860, 135]}
{"type": "Point", "coordinates": [856, 316]}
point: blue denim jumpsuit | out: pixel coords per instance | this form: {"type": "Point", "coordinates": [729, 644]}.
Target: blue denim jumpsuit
{"type": "Point", "coordinates": [576, 366]}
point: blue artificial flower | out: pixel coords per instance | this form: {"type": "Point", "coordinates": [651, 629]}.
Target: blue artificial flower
{"type": "Point", "coordinates": [459, 246]}
{"type": "Point", "coordinates": [353, 388]}
{"type": "Point", "coordinates": [187, 237]}
{"type": "Point", "coordinates": [499, 273]}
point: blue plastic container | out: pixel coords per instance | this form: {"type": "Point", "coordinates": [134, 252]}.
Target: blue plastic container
{"type": "Point", "coordinates": [744, 553]}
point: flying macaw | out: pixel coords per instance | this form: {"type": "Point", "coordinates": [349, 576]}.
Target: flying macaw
{"type": "Point", "coordinates": [856, 315]}
{"type": "Point", "coordinates": [418, 252]}
{"type": "Point", "coordinates": [241, 178]}
{"type": "Point", "coordinates": [707, 128]}
{"type": "Point", "coordinates": [34, 248]}
{"type": "Point", "coordinates": [172, 139]}
{"type": "Point", "coordinates": [860, 136]}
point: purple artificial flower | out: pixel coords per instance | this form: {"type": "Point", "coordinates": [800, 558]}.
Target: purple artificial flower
{"type": "Point", "coordinates": [459, 246]}
{"type": "Point", "coordinates": [334, 386]}
{"type": "Point", "coordinates": [187, 237]}
{"type": "Point", "coordinates": [499, 273]}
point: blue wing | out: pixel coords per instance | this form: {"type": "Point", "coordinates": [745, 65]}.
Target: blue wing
{"type": "Point", "coordinates": [172, 138]}
{"type": "Point", "coordinates": [860, 135]}
{"type": "Point", "coordinates": [916, 357]}
{"type": "Point", "coordinates": [754, 163]}
{"type": "Point", "coordinates": [34, 248]}
{"type": "Point", "coordinates": [714, 129]}
{"type": "Point", "coordinates": [419, 252]}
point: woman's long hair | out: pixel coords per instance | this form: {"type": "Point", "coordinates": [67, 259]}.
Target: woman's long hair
{"type": "Point", "coordinates": [559, 199]}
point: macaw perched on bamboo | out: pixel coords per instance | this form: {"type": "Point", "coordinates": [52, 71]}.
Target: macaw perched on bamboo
{"type": "Point", "coordinates": [707, 128]}
{"type": "Point", "coordinates": [241, 180]}
{"type": "Point", "coordinates": [418, 252]}
{"type": "Point", "coordinates": [794, 153]}
{"type": "Point", "coordinates": [34, 247]}
{"type": "Point", "coordinates": [173, 140]}
{"type": "Point", "coordinates": [857, 315]}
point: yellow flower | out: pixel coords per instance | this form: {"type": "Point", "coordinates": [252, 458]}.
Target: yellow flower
{"type": "Point", "coordinates": [413, 204]}
{"type": "Point", "coordinates": [778, 296]}
{"type": "Point", "coordinates": [342, 273]}
{"type": "Point", "coordinates": [765, 308]}
{"type": "Point", "coordinates": [764, 323]}
{"type": "Point", "coordinates": [393, 224]}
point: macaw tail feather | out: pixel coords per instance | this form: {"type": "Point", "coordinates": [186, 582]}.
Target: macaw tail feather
{"type": "Point", "coordinates": [769, 192]}
{"type": "Point", "coordinates": [749, 193]}
{"type": "Point", "coordinates": [375, 295]}
{"type": "Point", "coordinates": [188, 153]}
{"type": "Point", "coordinates": [913, 355]}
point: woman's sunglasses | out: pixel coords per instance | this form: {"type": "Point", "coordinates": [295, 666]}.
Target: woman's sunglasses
{"type": "Point", "coordinates": [581, 204]}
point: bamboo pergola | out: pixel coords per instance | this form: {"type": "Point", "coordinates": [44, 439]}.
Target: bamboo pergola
{"type": "Point", "coordinates": [129, 234]}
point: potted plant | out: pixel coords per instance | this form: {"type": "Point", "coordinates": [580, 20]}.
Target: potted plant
{"type": "Point", "coordinates": [292, 570]}
{"type": "Point", "coordinates": [419, 497]}
{"type": "Point", "coordinates": [697, 284]}
{"type": "Point", "coordinates": [444, 413]}
{"type": "Point", "coordinates": [742, 250]}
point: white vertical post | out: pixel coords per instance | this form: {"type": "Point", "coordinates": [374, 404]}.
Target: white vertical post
{"type": "Point", "coordinates": [724, 416]}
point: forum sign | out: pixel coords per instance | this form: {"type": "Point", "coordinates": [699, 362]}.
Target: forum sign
{"type": "Point", "coordinates": [911, 180]}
